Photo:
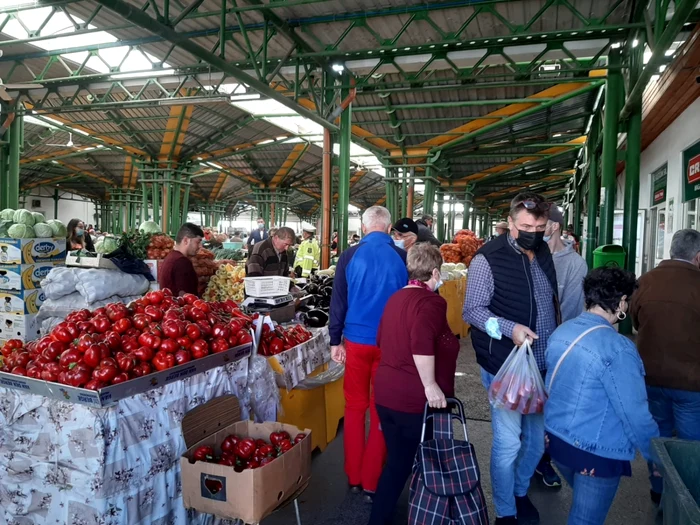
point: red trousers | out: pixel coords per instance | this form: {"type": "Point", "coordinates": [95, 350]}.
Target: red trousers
{"type": "Point", "coordinates": [364, 456]}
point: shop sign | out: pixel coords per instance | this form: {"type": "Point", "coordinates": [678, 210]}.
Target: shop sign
{"type": "Point", "coordinates": [658, 179]}
{"type": "Point", "coordinates": [691, 175]}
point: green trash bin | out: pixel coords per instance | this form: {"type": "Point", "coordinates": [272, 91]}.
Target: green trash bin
{"type": "Point", "coordinates": [609, 255]}
{"type": "Point", "coordinates": [679, 463]}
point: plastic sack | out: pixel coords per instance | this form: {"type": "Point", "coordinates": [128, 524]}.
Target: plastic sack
{"type": "Point", "coordinates": [49, 324]}
{"type": "Point", "coordinates": [518, 384]}
{"type": "Point", "coordinates": [98, 284]}
{"type": "Point", "coordinates": [335, 371]}
{"type": "Point", "coordinates": [59, 282]}
{"type": "Point", "coordinates": [263, 393]}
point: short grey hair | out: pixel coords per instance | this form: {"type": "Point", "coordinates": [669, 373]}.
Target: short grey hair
{"type": "Point", "coordinates": [285, 233]}
{"type": "Point", "coordinates": [421, 260]}
{"type": "Point", "coordinates": [685, 244]}
{"type": "Point", "coordinates": [376, 218]}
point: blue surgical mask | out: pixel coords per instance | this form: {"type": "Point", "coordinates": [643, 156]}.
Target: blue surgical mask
{"type": "Point", "coordinates": [438, 285]}
{"type": "Point", "coordinates": [79, 232]}
{"type": "Point", "coordinates": [261, 225]}
{"type": "Point", "coordinates": [400, 243]}
{"type": "Point", "coordinates": [546, 238]}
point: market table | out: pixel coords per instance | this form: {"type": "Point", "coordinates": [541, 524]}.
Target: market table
{"type": "Point", "coordinates": [67, 463]}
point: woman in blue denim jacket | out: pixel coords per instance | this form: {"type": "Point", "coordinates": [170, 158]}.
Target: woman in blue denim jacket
{"type": "Point", "coordinates": [597, 414]}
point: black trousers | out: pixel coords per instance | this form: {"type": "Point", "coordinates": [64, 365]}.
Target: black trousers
{"type": "Point", "coordinates": [402, 436]}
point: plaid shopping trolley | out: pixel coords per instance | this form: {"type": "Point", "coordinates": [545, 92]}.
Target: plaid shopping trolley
{"type": "Point", "coordinates": [446, 483]}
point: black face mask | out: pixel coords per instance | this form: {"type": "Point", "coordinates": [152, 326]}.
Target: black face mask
{"type": "Point", "coordinates": [529, 240]}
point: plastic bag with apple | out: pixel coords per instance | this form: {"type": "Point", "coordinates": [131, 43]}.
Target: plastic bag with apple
{"type": "Point", "coordinates": [518, 384]}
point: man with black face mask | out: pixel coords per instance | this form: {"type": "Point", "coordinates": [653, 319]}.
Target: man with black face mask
{"type": "Point", "coordinates": [512, 297]}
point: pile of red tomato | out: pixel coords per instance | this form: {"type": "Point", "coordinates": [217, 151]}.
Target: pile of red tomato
{"type": "Point", "coordinates": [273, 342]}
{"type": "Point", "coordinates": [116, 343]}
{"type": "Point", "coordinates": [243, 453]}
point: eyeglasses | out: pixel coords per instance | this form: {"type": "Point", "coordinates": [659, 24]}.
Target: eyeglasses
{"type": "Point", "coordinates": [530, 204]}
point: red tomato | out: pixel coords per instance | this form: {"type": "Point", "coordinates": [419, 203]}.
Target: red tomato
{"type": "Point", "coordinates": [85, 342]}
{"type": "Point", "coordinates": [204, 327]}
{"type": "Point", "coordinates": [198, 314]}
{"type": "Point", "coordinates": [126, 363]}
{"type": "Point", "coordinates": [94, 384]}
{"type": "Point", "coordinates": [143, 354]}
{"type": "Point", "coordinates": [112, 340]}
{"type": "Point", "coordinates": [120, 378]}
{"type": "Point", "coordinates": [244, 337]}
{"type": "Point", "coordinates": [142, 369]}
{"type": "Point", "coordinates": [151, 341]}
{"type": "Point", "coordinates": [219, 345]}
{"type": "Point", "coordinates": [140, 321]}
{"type": "Point", "coordinates": [202, 305]}
{"type": "Point", "coordinates": [190, 298]}
{"type": "Point", "coordinates": [77, 377]}
{"type": "Point", "coordinates": [116, 311]}
{"type": "Point", "coordinates": [19, 371]}
{"type": "Point", "coordinates": [299, 437]}
{"type": "Point", "coordinates": [184, 342]}
{"type": "Point", "coordinates": [68, 358]}
{"type": "Point", "coordinates": [220, 330]}
{"type": "Point", "coordinates": [200, 348]}
{"type": "Point", "coordinates": [154, 313]}
{"type": "Point", "coordinates": [182, 357]}
{"type": "Point", "coordinates": [228, 446]}
{"type": "Point", "coordinates": [105, 374]}
{"type": "Point", "coordinates": [122, 325]}
{"type": "Point", "coordinates": [193, 332]}
{"type": "Point", "coordinates": [54, 350]}
{"type": "Point", "coordinates": [61, 333]}
{"type": "Point", "coordinates": [169, 345]}
{"type": "Point", "coordinates": [92, 356]}
{"type": "Point", "coordinates": [173, 329]}
{"type": "Point", "coordinates": [102, 324]}
{"type": "Point", "coordinates": [154, 297]}
{"type": "Point", "coordinates": [163, 361]}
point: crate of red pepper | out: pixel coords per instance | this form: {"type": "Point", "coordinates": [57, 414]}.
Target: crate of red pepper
{"type": "Point", "coordinates": [246, 470]}
{"type": "Point", "coordinates": [280, 339]}
{"type": "Point", "coordinates": [96, 358]}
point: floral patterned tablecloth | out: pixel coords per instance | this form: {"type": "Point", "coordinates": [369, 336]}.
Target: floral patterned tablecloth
{"type": "Point", "coordinates": [298, 362]}
{"type": "Point", "coordinates": [69, 464]}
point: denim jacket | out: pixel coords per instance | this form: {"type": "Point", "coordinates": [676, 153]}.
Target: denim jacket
{"type": "Point", "coordinates": [598, 400]}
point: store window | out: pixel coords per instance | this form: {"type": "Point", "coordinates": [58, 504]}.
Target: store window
{"type": "Point", "coordinates": [658, 215]}
{"type": "Point", "coordinates": [691, 214]}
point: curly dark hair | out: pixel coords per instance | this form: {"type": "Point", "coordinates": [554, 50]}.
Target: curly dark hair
{"type": "Point", "coordinates": [606, 286]}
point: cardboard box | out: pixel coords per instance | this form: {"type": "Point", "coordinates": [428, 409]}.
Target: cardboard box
{"type": "Point", "coordinates": [27, 302]}
{"type": "Point", "coordinates": [111, 394]}
{"type": "Point", "coordinates": [20, 277]}
{"type": "Point", "coordinates": [23, 327]}
{"type": "Point", "coordinates": [30, 251]}
{"type": "Point", "coordinates": [154, 265]}
{"type": "Point", "coordinates": [250, 495]}
{"type": "Point", "coordinates": [90, 262]}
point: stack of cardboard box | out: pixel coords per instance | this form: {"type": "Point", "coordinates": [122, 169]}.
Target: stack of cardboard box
{"type": "Point", "coordinates": [23, 265]}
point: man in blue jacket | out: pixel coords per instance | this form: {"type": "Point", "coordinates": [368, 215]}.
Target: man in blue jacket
{"type": "Point", "coordinates": [365, 277]}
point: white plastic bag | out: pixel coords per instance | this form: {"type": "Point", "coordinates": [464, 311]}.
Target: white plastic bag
{"type": "Point", "coordinates": [98, 284]}
{"type": "Point", "coordinates": [518, 384]}
{"type": "Point", "coordinates": [59, 282]}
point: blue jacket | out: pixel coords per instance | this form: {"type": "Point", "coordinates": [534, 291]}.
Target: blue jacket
{"type": "Point", "coordinates": [365, 277]}
{"type": "Point", "coordinates": [598, 400]}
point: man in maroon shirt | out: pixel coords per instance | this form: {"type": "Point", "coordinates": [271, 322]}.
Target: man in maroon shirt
{"type": "Point", "coordinates": [177, 272]}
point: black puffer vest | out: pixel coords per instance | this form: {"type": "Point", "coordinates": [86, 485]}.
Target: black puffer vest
{"type": "Point", "coordinates": [513, 297]}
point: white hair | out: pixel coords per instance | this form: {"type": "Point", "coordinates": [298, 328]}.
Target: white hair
{"type": "Point", "coordinates": [376, 218]}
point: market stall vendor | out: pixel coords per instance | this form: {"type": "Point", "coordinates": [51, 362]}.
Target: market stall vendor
{"type": "Point", "coordinates": [270, 256]}
{"type": "Point", "coordinates": [177, 271]}
{"type": "Point", "coordinates": [308, 254]}
{"type": "Point", "coordinates": [78, 238]}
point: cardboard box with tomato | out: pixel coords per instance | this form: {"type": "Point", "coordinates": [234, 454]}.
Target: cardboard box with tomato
{"type": "Point", "coordinates": [252, 494]}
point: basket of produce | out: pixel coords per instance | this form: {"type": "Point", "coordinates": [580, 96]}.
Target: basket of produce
{"type": "Point", "coordinates": [463, 249]}
{"type": "Point", "coordinates": [271, 286]}
{"type": "Point", "coordinates": [226, 283]}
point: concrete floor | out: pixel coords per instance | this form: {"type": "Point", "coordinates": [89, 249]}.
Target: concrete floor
{"type": "Point", "coordinates": [328, 502]}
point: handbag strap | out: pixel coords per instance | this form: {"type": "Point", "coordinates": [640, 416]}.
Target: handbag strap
{"type": "Point", "coordinates": [571, 347]}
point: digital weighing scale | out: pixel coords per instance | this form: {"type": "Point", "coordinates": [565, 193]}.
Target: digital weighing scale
{"type": "Point", "coordinates": [268, 301]}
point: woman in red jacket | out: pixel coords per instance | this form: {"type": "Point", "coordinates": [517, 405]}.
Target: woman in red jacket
{"type": "Point", "coordinates": [418, 362]}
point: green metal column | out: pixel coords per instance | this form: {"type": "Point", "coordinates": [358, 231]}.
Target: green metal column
{"type": "Point", "coordinates": [404, 193]}
{"type": "Point", "coordinates": [593, 190]}
{"type": "Point", "coordinates": [176, 212]}
{"type": "Point", "coordinates": [155, 197]}
{"type": "Point", "coordinates": [473, 221]}
{"type": "Point", "coordinates": [344, 173]}
{"type": "Point", "coordinates": [632, 161]}
{"type": "Point", "coordinates": [13, 162]}
{"type": "Point", "coordinates": [428, 193]}
{"type": "Point", "coordinates": [578, 211]}
{"type": "Point", "coordinates": [55, 203]}
{"type": "Point", "coordinates": [487, 225]}
{"type": "Point", "coordinates": [614, 90]}
{"type": "Point", "coordinates": [440, 215]}
{"type": "Point", "coordinates": [186, 201]}
{"type": "Point", "coordinates": [144, 201]}
{"type": "Point", "coordinates": [165, 208]}
{"type": "Point", "coordinates": [468, 201]}
{"type": "Point", "coordinates": [4, 179]}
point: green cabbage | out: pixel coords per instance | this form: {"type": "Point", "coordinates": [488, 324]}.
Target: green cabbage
{"type": "Point", "coordinates": [7, 214]}
{"type": "Point", "coordinates": [4, 226]}
{"type": "Point", "coordinates": [57, 227]}
{"type": "Point", "coordinates": [21, 231]}
{"type": "Point", "coordinates": [38, 217]}
{"type": "Point", "coordinates": [149, 227]}
{"type": "Point", "coordinates": [43, 230]}
{"type": "Point", "coordinates": [106, 245]}
{"type": "Point", "coordinates": [24, 217]}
